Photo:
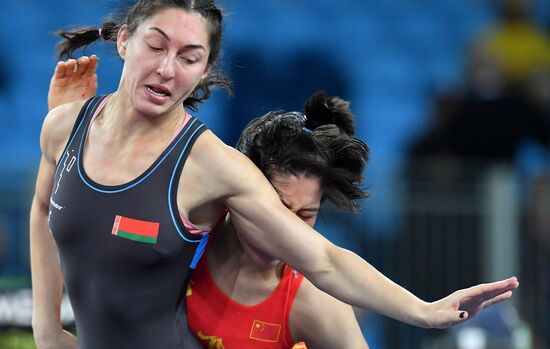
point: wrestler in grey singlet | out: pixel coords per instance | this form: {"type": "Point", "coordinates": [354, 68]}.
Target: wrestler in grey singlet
{"type": "Point", "coordinates": [124, 250]}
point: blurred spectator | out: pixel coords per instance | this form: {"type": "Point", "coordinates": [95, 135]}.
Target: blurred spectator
{"type": "Point", "coordinates": [475, 128]}
{"type": "Point", "coordinates": [505, 102]}
{"type": "Point", "coordinates": [515, 44]}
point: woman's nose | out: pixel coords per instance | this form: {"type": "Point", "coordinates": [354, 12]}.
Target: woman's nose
{"type": "Point", "coordinates": [166, 68]}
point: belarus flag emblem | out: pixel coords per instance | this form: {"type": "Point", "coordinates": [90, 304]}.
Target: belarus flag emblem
{"type": "Point", "coordinates": [136, 230]}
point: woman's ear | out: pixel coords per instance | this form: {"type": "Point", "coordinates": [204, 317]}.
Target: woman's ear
{"type": "Point", "coordinates": [121, 41]}
{"type": "Point", "coordinates": [206, 71]}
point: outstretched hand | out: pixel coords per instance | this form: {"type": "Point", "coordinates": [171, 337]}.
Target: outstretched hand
{"type": "Point", "coordinates": [466, 303]}
{"type": "Point", "coordinates": [73, 80]}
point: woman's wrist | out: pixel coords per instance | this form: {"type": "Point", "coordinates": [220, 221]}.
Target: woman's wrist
{"type": "Point", "coordinates": [45, 331]}
{"type": "Point", "coordinates": [421, 314]}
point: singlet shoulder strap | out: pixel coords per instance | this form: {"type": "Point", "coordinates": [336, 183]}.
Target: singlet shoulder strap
{"type": "Point", "coordinates": [293, 279]}
{"type": "Point", "coordinates": [183, 144]}
{"type": "Point", "coordinates": [86, 112]}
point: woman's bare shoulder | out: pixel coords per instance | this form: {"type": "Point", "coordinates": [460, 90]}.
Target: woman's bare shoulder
{"type": "Point", "coordinates": [57, 127]}
{"type": "Point", "coordinates": [324, 321]}
{"type": "Point", "coordinates": [311, 306]}
{"type": "Point", "coordinates": [222, 160]}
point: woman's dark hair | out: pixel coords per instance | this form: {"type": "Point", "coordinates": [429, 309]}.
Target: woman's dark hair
{"type": "Point", "coordinates": [319, 143]}
{"type": "Point", "coordinates": [137, 14]}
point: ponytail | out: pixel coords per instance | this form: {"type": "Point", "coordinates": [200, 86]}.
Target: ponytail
{"type": "Point", "coordinates": [85, 36]}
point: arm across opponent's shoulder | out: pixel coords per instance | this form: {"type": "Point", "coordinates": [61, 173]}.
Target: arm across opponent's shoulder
{"type": "Point", "coordinates": [266, 225]}
{"type": "Point", "coordinates": [262, 221]}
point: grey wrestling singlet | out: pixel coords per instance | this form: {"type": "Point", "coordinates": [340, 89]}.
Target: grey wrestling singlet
{"type": "Point", "coordinates": [124, 250]}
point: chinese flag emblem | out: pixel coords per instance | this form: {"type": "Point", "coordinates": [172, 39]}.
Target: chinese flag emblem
{"type": "Point", "coordinates": [264, 331]}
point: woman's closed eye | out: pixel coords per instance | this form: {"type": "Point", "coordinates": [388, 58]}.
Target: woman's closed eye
{"type": "Point", "coordinates": [306, 215]}
{"type": "Point", "coordinates": [189, 60]}
{"type": "Point", "coordinates": [154, 48]}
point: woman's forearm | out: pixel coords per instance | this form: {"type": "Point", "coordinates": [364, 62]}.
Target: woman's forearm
{"type": "Point", "coordinates": [354, 281]}
{"type": "Point", "coordinates": [47, 284]}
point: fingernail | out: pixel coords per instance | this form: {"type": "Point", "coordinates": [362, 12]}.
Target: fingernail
{"type": "Point", "coordinates": [461, 315]}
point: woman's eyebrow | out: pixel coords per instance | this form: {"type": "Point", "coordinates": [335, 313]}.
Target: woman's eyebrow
{"type": "Point", "coordinates": [307, 209]}
{"type": "Point", "coordinates": [190, 46]}
{"type": "Point", "coordinates": [161, 32]}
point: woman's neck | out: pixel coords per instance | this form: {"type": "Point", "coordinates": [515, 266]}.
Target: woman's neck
{"type": "Point", "coordinates": [120, 116]}
{"type": "Point", "coordinates": [227, 248]}
{"type": "Point", "coordinates": [237, 275]}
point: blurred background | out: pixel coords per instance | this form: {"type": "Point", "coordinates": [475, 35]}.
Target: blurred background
{"type": "Point", "coordinates": [453, 97]}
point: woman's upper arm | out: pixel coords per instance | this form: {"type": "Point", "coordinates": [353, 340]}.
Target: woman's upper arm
{"type": "Point", "coordinates": [322, 321]}
{"type": "Point", "coordinates": [44, 183]}
{"type": "Point", "coordinates": [54, 135]}
{"type": "Point", "coordinates": [263, 222]}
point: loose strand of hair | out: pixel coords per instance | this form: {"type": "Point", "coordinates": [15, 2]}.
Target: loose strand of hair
{"type": "Point", "coordinates": [203, 91]}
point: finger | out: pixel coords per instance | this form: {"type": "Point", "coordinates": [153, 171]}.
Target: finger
{"type": "Point", "coordinates": [82, 65]}
{"type": "Point", "coordinates": [92, 66]}
{"type": "Point", "coordinates": [453, 318]}
{"type": "Point", "coordinates": [490, 290]}
{"type": "Point", "coordinates": [459, 317]}
{"type": "Point", "coordinates": [462, 315]}
{"type": "Point", "coordinates": [59, 71]}
{"type": "Point", "coordinates": [94, 84]}
{"type": "Point", "coordinates": [70, 66]}
{"type": "Point", "coordinates": [508, 286]}
{"type": "Point", "coordinates": [514, 282]}
{"type": "Point", "coordinates": [509, 283]}
{"type": "Point", "coordinates": [497, 299]}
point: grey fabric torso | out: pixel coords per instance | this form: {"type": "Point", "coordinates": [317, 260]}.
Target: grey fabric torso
{"type": "Point", "coordinates": [124, 293]}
